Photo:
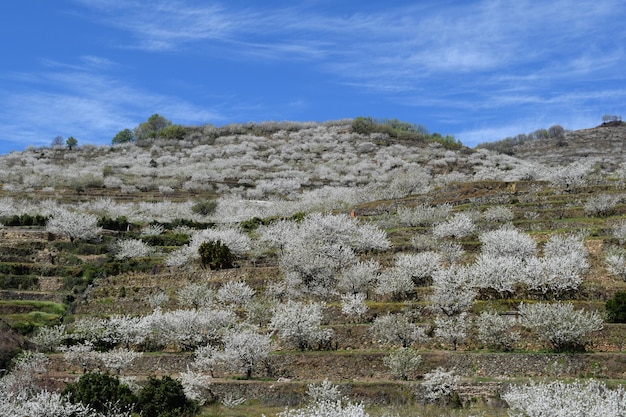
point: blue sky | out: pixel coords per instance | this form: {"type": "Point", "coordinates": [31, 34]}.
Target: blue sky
{"type": "Point", "coordinates": [480, 70]}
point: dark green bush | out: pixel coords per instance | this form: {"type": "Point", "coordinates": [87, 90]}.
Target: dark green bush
{"type": "Point", "coordinates": [253, 224]}
{"type": "Point", "coordinates": [19, 282]}
{"type": "Point", "coordinates": [173, 132]}
{"type": "Point", "coordinates": [164, 398]}
{"type": "Point", "coordinates": [363, 125]}
{"type": "Point", "coordinates": [186, 223]}
{"type": "Point", "coordinates": [123, 136]}
{"type": "Point", "coordinates": [215, 255]}
{"type": "Point", "coordinates": [24, 220]}
{"type": "Point", "coordinates": [99, 390]}
{"type": "Point", "coordinates": [204, 208]}
{"type": "Point", "coordinates": [119, 224]}
{"type": "Point", "coordinates": [616, 308]}
{"type": "Point", "coordinates": [167, 239]}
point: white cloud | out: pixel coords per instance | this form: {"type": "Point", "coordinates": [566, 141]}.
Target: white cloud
{"type": "Point", "coordinates": [88, 105]}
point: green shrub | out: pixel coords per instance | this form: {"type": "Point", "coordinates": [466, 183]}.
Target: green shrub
{"type": "Point", "coordinates": [184, 223]}
{"type": "Point", "coordinates": [123, 136]}
{"type": "Point", "coordinates": [164, 398]}
{"type": "Point", "coordinates": [99, 390]}
{"type": "Point", "coordinates": [215, 255]}
{"type": "Point", "coordinates": [616, 308]}
{"type": "Point", "coordinates": [204, 208]}
{"type": "Point", "coordinates": [167, 239]}
{"type": "Point", "coordinates": [19, 282]}
{"type": "Point", "coordinates": [24, 220]}
{"type": "Point", "coordinates": [253, 224]}
{"type": "Point", "coordinates": [173, 132]}
{"type": "Point", "coordinates": [120, 223]}
{"type": "Point", "coordinates": [363, 125]}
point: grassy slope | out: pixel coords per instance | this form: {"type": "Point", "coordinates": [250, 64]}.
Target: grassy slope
{"type": "Point", "coordinates": [357, 363]}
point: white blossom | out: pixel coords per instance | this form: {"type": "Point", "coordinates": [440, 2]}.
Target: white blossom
{"type": "Point", "coordinates": [132, 248]}
{"type": "Point", "coordinates": [494, 330]}
{"type": "Point", "coordinates": [452, 290]}
{"type": "Point", "coordinates": [196, 295]}
{"type": "Point", "coordinates": [507, 241]}
{"type": "Point", "coordinates": [194, 384]}
{"type": "Point", "coordinates": [561, 399]}
{"type": "Point", "coordinates": [118, 358]}
{"type": "Point", "coordinates": [452, 329]}
{"type": "Point", "coordinates": [396, 329]}
{"type": "Point", "coordinates": [49, 338]}
{"type": "Point", "coordinates": [353, 304]}
{"type": "Point", "coordinates": [559, 324]}
{"type": "Point", "coordinates": [235, 292]}
{"type": "Point", "coordinates": [299, 324]}
{"type": "Point", "coordinates": [325, 391]}
{"type": "Point", "coordinates": [440, 383]}
{"type": "Point", "coordinates": [327, 409]}
{"type": "Point", "coordinates": [460, 225]}
{"type": "Point", "coordinates": [74, 225]}
{"type": "Point", "coordinates": [402, 361]}
{"type": "Point", "coordinates": [359, 278]}
{"type": "Point", "coordinates": [244, 350]}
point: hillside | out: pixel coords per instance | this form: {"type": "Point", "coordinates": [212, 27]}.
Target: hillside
{"type": "Point", "coordinates": [167, 252]}
{"type": "Point", "coordinates": [604, 144]}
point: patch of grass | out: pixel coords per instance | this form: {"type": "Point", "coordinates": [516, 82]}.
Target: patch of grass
{"type": "Point", "coordinates": [18, 282]}
{"type": "Point", "coordinates": [44, 306]}
{"type": "Point", "coordinates": [42, 313]}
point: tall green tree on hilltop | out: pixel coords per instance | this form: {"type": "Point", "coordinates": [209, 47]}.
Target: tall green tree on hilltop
{"type": "Point", "coordinates": [123, 136]}
{"type": "Point", "coordinates": [151, 128]}
{"type": "Point", "coordinates": [71, 142]}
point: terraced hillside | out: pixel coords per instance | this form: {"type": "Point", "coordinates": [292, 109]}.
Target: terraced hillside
{"type": "Point", "coordinates": [354, 257]}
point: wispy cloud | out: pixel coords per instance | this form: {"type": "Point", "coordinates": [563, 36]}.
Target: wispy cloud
{"type": "Point", "coordinates": [398, 46]}
{"type": "Point", "coordinates": [88, 105]}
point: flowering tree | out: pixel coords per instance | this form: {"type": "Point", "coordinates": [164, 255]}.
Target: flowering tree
{"type": "Point", "coordinates": [424, 214]}
{"type": "Point", "coordinates": [402, 361]}
{"type": "Point", "coordinates": [460, 225]}
{"type": "Point", "coordinates": [196, 295]}
{"type": "Point", "coordinates": [499, 273]}
{"type": "Point", "coordinates": [359, 278]}
{"type": "Point", "coordinates": [118, 359]}
{"type": "Point", "coordinates": [494, 330]}
{"type": "Point", "coordinates": [73, 225]}
{"type": "Point", "coordinates": [395, 282]}
{"type": "Point", "coordinates": [194, 385]}
{"type": "Point", "coordinates": [314, 251]}
{"type": "Point", "coordinates": [452, 329]}
{"type": "Point", "coordinates": [235, 292]}
{"type": "Point", "coordinates": [559, 324]}
{"type": "Point", "coordinates": [132, 248]}
{"type": "Point", "coordinates": [298, 324]}
{"type": "Point", "coordinates": [327, 409]}
{"type": "Point", "coordinates": [419, 267]}
{"type": "Point", "coordinates": [507, 241]}
{"type": "Point", "coordinates": [44, 404]}
{"type": "Point", "coordinates": [189, 329]}
{"type": "Point", "coordinates": [560, 399]}
{"type": "Point", "coordinates": [396, 329]}
{"type": "Point", "coordinates": [439, 384]}
{"type": "Point", "coordinates": [452, 290]}
{"type": "Point", "coordinates": [49, 338]}
{"type": "Point", "coordinates": [353, 304]}
{"type": "Point", "coordinates": [244, 350]}
{"type": "Point", "coordinates": [615, 261]}
{"type": "Point", "coordinates": [325, 391]}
